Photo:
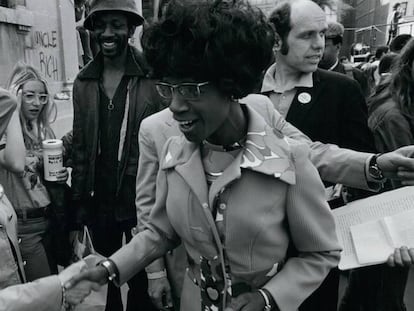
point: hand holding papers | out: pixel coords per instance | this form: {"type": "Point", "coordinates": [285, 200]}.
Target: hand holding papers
{"type": "Point", "coordinates": [375, 241]}
{"type": "Point", "coordinates": [370, 210]}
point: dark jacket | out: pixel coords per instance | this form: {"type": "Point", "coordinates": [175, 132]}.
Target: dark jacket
{"type": "Point", "coordinates": [357, 74]}
{"type": "Point", "coordinates": [336, 114]}
{"type": "Point", "coordinates": [143, 101]}
{"type": "Point", "coordinates": [392, 130]}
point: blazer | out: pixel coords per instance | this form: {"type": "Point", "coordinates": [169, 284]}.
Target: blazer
{"type": "Point", "coordinates": [336, 113]}
{"type": "Point", "coordinates": [270, 190]}
{"type": "Point", "coordinates": [11, 263]}
{"type": "Point", "coordinates": [333, 163]}
{"type": "Point", "coordinates": [357, 74]}
{"type": "Point", "coordinates": [44, 294]}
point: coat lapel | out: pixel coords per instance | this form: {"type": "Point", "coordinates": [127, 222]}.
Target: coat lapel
{"type": "Point", "coordinates": [185, 157]}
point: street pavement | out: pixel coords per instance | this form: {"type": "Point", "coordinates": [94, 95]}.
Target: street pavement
{"type": "Point", "coordinates": [64, 119]}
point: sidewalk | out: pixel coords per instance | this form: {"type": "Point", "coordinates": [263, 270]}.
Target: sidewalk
{"type": "Point", "coordinates": [64, 119]}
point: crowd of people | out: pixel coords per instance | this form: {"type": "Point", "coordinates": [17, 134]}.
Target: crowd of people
{"type": "Point", "coordinates": [212, 151]}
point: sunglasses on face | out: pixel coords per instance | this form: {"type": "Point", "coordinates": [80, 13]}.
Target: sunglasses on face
{"type": "Point", "coordinates": [188, 90]}
{"type": "Point", "coordinates": [30, 97]}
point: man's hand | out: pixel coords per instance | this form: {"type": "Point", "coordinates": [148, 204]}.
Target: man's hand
{"type": "Point", "coordinates": [98, 275]}
{"type": "Point", "coordinates": [160, 292]}
{"type": "Point", "coordinates": [247, 302]}
{"type": "Point", "coordinates": [402, 257]}
{"type": "Point", "coordinates": [398, 164]}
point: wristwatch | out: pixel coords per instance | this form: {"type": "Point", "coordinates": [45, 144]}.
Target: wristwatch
{"type": "Point", "coordinates": [373, 170]}
{"type": "Point", "coordinates": [110, 267]}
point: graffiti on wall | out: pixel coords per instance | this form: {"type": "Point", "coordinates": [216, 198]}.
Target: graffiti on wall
{"type": "Point", "coordinates": [46, 45]}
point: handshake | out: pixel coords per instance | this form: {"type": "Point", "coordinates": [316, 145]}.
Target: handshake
{"type": "Point", "coordinates": [80, 279]}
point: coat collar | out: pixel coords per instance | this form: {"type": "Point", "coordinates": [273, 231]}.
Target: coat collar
{"type": "Point", "coordinates": [305, 99]}
{"type": "Point", "coordinates": [270, 83]}
{"type": "Point", "coordinates": [93, 70]}
{"type": "Point", "coordinates": [265, 152]}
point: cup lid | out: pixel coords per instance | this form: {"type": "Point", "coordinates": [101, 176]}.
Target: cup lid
{"type": "Point", "coordinates": [52, 143]}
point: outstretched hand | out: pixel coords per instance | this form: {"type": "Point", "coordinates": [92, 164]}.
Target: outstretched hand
{"type": "Point", "coordinates": [98, 275]}
{"type": "Point", "coordinates": [77, 292]}
{"type": "Point", "coordinates": [398, 164]}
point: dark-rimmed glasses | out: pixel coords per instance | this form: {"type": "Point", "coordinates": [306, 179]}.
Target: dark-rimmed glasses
{"type": "Point", "coordinates": [188, 90]}
{"type": "Point", "coordinates": [30, 97]}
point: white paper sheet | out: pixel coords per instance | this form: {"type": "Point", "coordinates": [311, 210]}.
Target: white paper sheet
{"type": "Point", "coordinates": [369, 209]}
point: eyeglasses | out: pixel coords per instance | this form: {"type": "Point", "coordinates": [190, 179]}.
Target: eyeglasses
{"type": "Point", "coordinates": [30, 97]}
{"type": "Point", "coordinates": [188, 90]}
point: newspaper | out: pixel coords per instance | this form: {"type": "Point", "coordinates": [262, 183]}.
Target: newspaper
{"type": "Point", "coordinates": [362, 211]}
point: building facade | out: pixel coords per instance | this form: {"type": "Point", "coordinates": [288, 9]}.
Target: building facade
{"type": "Point", "coordinates": [41, 33]}
{"type": "Point", "coordinates": [373, 17]}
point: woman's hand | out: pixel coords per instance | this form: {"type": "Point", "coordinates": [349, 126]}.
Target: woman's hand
{"type": "Point", "coordinates": [402, 257]}
{"type": "Point", "coordinates": [247, 302]}
{"type": "Point", "coordinates": [159, 291]}
{"type": "Point", "coordinates": [62, 176]}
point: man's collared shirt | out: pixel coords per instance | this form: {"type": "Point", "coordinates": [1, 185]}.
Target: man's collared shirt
{"type": "Point", "coordinates": [282, 95]}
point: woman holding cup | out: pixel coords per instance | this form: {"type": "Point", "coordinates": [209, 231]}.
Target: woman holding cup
{"type": "Point", "coordinates": [27, 191]}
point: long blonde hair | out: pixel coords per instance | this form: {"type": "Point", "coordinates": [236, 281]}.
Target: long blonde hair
{"type": "Point", "coordinates": [21, 74]}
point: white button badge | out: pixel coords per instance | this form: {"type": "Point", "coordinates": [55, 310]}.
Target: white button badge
{"type": "Point", "coordinates": [304, 98]}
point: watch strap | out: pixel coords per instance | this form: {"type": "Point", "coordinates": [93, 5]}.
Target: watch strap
{"type": "Point", "coordinates": [374, 165]}
{"type": "Point", "coordinates": [266, 298]}
{"type": "Point", "coordinates": [110, 266]}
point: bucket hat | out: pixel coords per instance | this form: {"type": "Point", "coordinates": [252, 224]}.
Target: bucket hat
{"type": "Point", "coordinates": [125, 6]}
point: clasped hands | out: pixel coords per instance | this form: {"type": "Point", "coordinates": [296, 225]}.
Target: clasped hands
{"type": "Point", "coordinates": [79, 279]}
{"type": "Point", "coordinates": [84, 276]}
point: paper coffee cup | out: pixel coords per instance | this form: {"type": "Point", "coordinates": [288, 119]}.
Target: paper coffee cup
{"type": "Point", "coordinates": [52, 158]}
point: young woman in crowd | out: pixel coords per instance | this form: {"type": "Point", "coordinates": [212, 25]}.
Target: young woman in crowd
{"type": "Point", "coordinates": [231, 188]}
{"type": "Point", "coordinates": [391, 119]}
{"type": "Point", "coordinates": [27, 191]}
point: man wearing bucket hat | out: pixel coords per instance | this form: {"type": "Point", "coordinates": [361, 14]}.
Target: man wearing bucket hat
{"type": "Point", "coordinates": [111, 96]}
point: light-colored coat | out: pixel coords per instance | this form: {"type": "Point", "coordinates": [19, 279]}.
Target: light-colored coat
{"type": "Point", "coordinates": [44, 294]}
{"type": "Point", "coordinates": [274, 194]}
{"type": "Point", "coordinates": [333, 163]}
{"type": "Point", "coordinates": [11, 266]}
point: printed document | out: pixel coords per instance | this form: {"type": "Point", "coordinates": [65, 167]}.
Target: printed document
{"type": "Point", "coordinates": [371, 213]}
{"type": "Point", "coordinates": [375, 240]}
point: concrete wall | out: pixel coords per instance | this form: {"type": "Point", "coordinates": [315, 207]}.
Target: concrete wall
{"type": "Point", "coordinates": [42, 34]}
